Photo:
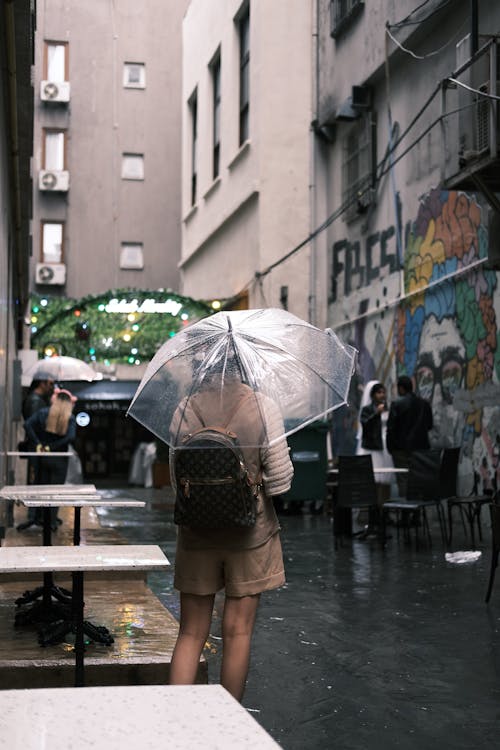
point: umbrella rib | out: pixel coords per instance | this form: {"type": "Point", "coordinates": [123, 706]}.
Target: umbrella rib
{"type": "Point", "coordinates": [298, 359]}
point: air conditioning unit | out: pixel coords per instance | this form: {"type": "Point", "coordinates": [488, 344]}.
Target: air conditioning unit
{"type": "Point", "coordinates": [478, 123]}
{"type": "Point", "coordinates": [53, 180]}
{"type": "Point", "coordinates": [50, 273]}
{"type": "Point", "coordinates": [361, 97]}
{"type": "Point", "coordinates": [50, 91]}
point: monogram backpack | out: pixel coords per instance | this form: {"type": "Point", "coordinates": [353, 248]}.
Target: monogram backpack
{"type": "Point", "coordinates": [214, 488]}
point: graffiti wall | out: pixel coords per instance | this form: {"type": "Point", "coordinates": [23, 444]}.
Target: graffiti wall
{"type": "Point", "coordinates": [444, 334]}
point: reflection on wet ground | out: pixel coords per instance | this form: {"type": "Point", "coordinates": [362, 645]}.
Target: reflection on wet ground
{"type": "Point", "coordinates": [363, 648]}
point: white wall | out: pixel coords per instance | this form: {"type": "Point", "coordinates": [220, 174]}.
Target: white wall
{"type": "Point", "coordinates": [259, 208]}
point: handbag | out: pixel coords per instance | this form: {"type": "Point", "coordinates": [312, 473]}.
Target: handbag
{"type": "Point", "coordinates": [22, 447]}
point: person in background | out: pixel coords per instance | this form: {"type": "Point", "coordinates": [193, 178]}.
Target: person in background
{"type": "Point", "coordinates": [372, 439]}
{"type": "Point", "coordinates": [53, 429]}
{"type": "Point", "coordinates": [38, 397]}
{"type": "Point", "coordinates": [373, 426]}
{"type": "Point", "coordinates": [408, 426]}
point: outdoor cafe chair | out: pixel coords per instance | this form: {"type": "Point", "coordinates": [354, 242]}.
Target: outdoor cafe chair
{"type": "Point", "coordinates": [495, 541]}
{"type": "Point", "coordinates": [356, 489]}
{"type": "Point", "coordinates": [424, 490]}
{"type": "Point", "coordinates": [469, 507]}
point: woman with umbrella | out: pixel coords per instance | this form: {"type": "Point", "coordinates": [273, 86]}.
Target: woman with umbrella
{"type": "Point", "coordinates": [53, 429]}
{"type": "Point", "coordinates": [245, 561]}
{"type": "Point", "coordinates": [255, 375]}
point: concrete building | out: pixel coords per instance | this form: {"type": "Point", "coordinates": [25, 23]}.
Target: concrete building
{"type": "Point", "coordinates": [106, 146]}
{"type": "Point", "coordinates": [17, 27]}
{"type": "Point", "coordinates": [246, 97]}
{"type": "Point", "coordinates": [407, 167]}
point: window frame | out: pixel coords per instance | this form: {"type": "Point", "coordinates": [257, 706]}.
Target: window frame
{"type": "Point", "coordinates": [53, 43]}
{"type": "Point", "coordinates": [62, 224]}
{"type": "Point", "coordinates": [48, 131]}
{"type": "Point", "coordinates": [215, 70]}
{"type": "Point", "coordinates": [142, 83]}
{"type": "Point", "coordinates": [129, 154]}
{"type": "Point", "coordinates": [364, 179]}
{"type": "Point", "coordinates": [341, 19]}
{"type": "Point", "coordinates": [193, 114]}
{"type": "Point", "coordinates": [243, 22]}
{"type": "Point", "coordinates": [127, 245]}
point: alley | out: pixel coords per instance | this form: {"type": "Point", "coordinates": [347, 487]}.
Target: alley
{"type": "Point", "coordinates": [363, 648]}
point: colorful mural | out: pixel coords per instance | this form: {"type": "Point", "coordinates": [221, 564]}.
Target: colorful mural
{"type": "Point", "coordinates": [444, 334]}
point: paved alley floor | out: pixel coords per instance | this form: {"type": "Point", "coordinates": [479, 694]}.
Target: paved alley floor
{"type": "Point", "coordinates": [363, 648]}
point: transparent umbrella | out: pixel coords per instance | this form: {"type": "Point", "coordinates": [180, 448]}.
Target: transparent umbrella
{"type": "Point", "coordinates": [62, 368]}
{"type": "Point", "coordinates": [269, 355]}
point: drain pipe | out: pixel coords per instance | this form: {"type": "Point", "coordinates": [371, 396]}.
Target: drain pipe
{"type": "Point", "coordinates": [15, 178]}
{"type": "Point", "coordinates": [312, 312]}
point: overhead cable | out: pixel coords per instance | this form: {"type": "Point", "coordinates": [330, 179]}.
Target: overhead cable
{"type": "Point", "coordinates": [429, 54]}
{"type": "Point", "coordinates": [473, 90]}
{"type": "Point", "coordinates": [405, 22]}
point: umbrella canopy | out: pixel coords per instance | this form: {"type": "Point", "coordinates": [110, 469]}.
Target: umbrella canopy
{"type": "Point", "coordinates": [62, 368]}
{"type": "Point", "coordinates": [270, 354]}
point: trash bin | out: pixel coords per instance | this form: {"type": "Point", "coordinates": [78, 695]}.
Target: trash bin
{"type": "Point", "coordinates": [309, 459]}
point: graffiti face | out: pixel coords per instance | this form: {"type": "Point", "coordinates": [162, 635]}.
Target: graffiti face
{"type": "Point", "coordinates": [439, 374]}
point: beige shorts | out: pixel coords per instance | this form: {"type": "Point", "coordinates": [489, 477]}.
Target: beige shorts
{"type": "Point", "coordinates": [240, 572]}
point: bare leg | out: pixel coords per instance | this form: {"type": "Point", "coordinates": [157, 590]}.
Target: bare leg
{"type": "Point", "coordinates": [237, 627]}
{"type": "Point", "coordinates": [196, 617]}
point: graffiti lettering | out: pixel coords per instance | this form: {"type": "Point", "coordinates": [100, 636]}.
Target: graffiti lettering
{"type": "Point", "coordinates": [380, 252]}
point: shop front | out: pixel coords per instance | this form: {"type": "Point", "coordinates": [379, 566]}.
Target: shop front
{"type": "Point", "coordinates": [106, 438]}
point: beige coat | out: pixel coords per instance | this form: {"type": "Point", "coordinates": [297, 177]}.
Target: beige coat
{"type": "Point", "coordinates": [255, 419]}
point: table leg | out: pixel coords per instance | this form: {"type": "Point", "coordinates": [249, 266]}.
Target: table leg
{"type": "Point", "coordinates": [76, 526]}
{"type": "Point", "coordinates": [78, 605]}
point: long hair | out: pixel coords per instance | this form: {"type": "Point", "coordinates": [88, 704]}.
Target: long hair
{"type": "Point", "coordinates": [59, 413]}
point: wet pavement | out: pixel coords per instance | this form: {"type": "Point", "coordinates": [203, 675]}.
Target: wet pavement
{"type": "Point", "coordinates": [363, 647]}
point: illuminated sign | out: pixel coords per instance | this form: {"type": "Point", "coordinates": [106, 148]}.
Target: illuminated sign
{"type": "Point", "coordinates": [147, 306]}
{"type": "Point", "coordinates": [82, 419]}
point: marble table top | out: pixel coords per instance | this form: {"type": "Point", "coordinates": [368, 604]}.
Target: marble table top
{"type": "Point", "coordinates": [38, 454]}
{"type": "Point", "coordinates": [80, 501]}
{"type": "Point", "coordinates": [64, 495]}
{"type": "Point", "coordinates": [9, 490]}
{"type": "Point", "coordinates": [139, 717]}
{"type": "Point", "coordinates": [380, 470]}
{"type": "Point", "coordinates": [98, 557]}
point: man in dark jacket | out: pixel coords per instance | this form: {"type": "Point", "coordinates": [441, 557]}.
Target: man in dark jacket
{"type": "Point", "coordinates": [408, 425]}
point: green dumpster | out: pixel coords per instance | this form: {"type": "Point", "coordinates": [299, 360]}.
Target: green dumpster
{"type": "Point", "coordinates": [309, 459]}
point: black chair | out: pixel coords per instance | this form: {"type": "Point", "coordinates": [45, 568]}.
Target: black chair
{"type": "Point", "coordinates": [469, 507]}
{"type": "Point", "coordinates": [495, 536]}
{"type": "Point", "coordinates": [356, 489]}
{"type": "Point", "coordinates": [424, 490]}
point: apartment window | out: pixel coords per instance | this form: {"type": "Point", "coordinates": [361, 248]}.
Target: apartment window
{"type": "Point", "coordinates": [56, 61]}
{"type": "Point", "coordinates": [342, 13]}
{"type": "Point", "coordinates": [52, 242]}
{"type": "Point", "coordinates": [134, 75]}
{"type": "Point", "coordinates": [244, 36]}
{"type": "Point", "coordinates": [216, 117]}
{"type": "Point", "coordinates": [357, 166]}
{"type": "Point", "coordinates": [133, 166]}
{"type": "Point", "coordinates": [54, 150]}
{"type": "Point", "coordinates": [131, 256]}
{"type": "Point", "coordinates": [193, 108]}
